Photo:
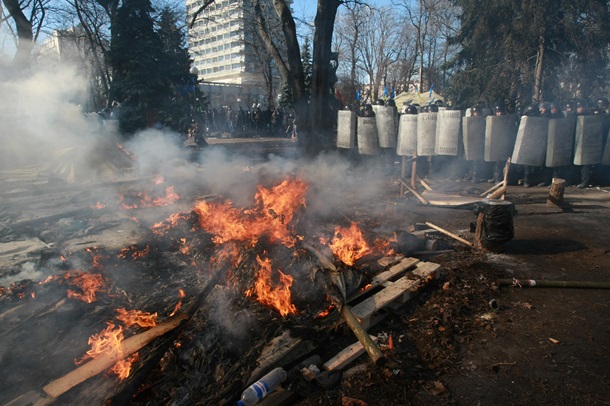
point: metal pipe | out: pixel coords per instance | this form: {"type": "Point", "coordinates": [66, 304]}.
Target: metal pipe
{"type": "Point", "coordinates": [531, 283]}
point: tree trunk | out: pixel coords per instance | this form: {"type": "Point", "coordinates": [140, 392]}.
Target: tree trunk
{"type": "Point", "coordinates": [25, 34]}
{"type": "Point", "coordinates": [321, 108]}
{"type": "Point", "coordinates": [537, 96]}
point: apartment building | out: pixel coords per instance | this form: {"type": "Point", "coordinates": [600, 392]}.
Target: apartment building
{"type": "Point", "coordinates": [224, 45]}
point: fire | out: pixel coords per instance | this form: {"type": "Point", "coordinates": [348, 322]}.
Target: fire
{"type": "Point", "coordinates": [89, 284]}
{"type": "Point", "coordinates": [108, 342]}
{"type": "Point", "coordinates": [325, 312]}
{"type": "Point", "coordinates": [132, 317]}
{"type": "Point", "coordinates": [135, 254]}
{"type": "Point", "coordinates": [161, 228]}
{"type": "Point", "coordinates": [277, 297]}
{"type": "Point", "coordinates": [145, 200]}
{"type": "Point", "coordinates": [123, 367]}
{"type": "Point", "coordinates": [274, 212]}
{"type": "Point", "coordinates": [349, 244]}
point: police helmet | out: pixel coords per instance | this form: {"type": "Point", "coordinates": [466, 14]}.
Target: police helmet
{"type": "Point", "coordinates": [368, 107]}
{"type": "Point", "coordinates": [499, 107]}
{"type": "Point", "coordinates": [545, 106]}
{"type": "Point", "coordinates": [379, 102]}
{"type": "Point", "coordinates": [433, 108]}
{"type": "Point", "coordinates": [390, 103]}
{"type": "Point", "coordinates": [581, 103]}
{"type": "Point", "coordinates": [531, 111]}
{"type": "Point", "coordinates": [555, 106]}
{"type": "Point", "coordinates": [571, 105]}
{"type": "Point", "coordinates": [411, 109]}
{"type": "Point", "coordinates": [603, 103]}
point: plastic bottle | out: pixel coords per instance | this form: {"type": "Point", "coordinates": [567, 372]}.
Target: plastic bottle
{"type": "Point", "coordinates": [259, 389]}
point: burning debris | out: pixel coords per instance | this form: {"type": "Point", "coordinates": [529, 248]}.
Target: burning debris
{"type": "Point", "coordinates": [225, 278]}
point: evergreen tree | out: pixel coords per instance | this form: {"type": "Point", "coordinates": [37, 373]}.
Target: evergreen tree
{"type": "Point", "coordinates": [147, 64]}
{"type": "Point", "coordinates": [285, 98]}
{"type": "Point", "coordinates": [182, 94]}
{"type": "Point", "coordinates": [307, 66]}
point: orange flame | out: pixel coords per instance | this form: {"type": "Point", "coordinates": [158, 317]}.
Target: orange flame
{"type": "Point", "coordinates": [348, 244]}
{"type": "Point", "coordinates": [89, 284]}
{"type": "Point", "coordinates": [275, 210]}
{"type": "Point", "coordinates": [108, 342]}
{"type": "Point", "coordinates": [135, 254]}
{"type": "Point", "coordinates": [132, 317]}
{"type": "Point", "coordinates": [277, 297]}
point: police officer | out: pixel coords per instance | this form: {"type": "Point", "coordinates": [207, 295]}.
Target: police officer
{"type": "Point", "coordinates": [475, 111]}
{"type": "Point", "coordinates": [498, 110]}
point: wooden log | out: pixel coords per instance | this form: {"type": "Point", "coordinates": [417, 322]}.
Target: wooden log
{"type": "Point", "coordinates": [460, 239]}
{"type": "Point", "coordinates": [412, 190]}
{"type": "Point", "coordinates": [365, 339]}
{"type": "Point", "coordinates": [531, 283]}
{"type": "Point", "coordinates": [132, 344]}
{"type": "Point", "coordinates": [555, 198]}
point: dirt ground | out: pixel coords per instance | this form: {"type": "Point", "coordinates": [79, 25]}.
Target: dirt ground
{"type": "Point", "coordinates": [467, 341]}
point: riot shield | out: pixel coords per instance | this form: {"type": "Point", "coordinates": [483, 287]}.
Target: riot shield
{"type": "Point", "coordinates": [588, 140]}
{"type": "Point", "coordinates": [530, 145]}
{"type": "Point", "coordinates": [426, 133]}
{"type": "Point", "coordinates": [346, 129]}
{"type": "Point", "coordinates": [500, 134]}
{"type": "Point", "coordinates": [386, 126]}
{"type": "Point", "coordinates": [448, 133]}
{"type": "Point", "coordinates": [368, 143]}
{"type": "Point", "coordinates": [473, 129]}
{"type": "Point", "coordinates": [606, 154]}
{"type": "Point", "coordinates": [407, 135]}
{"type": "Point", "coordinates": [560, 142]}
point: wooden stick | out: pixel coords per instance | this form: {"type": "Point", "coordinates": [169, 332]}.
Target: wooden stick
{"type": "Point", "coordinates": [403, 174]}
{"type": "Point", "coordinates": [460, 239]}
{"type": "Point", "coordinates": [552, 284]}
{"type": "Point", "coordinates": [365, 339]}
{"type": "Point", "coordinates": [424, 184]}
{"type": "Point", "coordinates": [478, 236]}
{"type": "Point", "coordinates": [132, 344]}
{"type": "Point", "coordinates": [413, 171]}
{"type": "Point", "coordinates": [491, 189]}
{"type": "Point", "coordinates": [412, 190]}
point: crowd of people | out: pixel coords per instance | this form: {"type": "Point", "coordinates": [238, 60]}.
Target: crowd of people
{"type": "Point", "coordinates": [270, 122]}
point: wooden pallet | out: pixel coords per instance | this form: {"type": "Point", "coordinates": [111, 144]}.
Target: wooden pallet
{"type": "Point", "coordinates": [391, 289]}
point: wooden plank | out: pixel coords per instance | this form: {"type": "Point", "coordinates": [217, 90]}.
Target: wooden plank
{"type": "Point", "coordinates": [394, 271]}
{"type": "Point", "coordinates": [366, 309]}
{"type": "Point", "coordinates": [427, 270]}
{"type": "Point", "coordinates": [381, 278]}
{"type": "Point", "coordinates": [346, 356]}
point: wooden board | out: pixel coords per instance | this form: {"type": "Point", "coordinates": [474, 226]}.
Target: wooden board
{"type": "Point", "coordinates": [396, 293]}
{"type": "Point", "coordinates": [447, 200]}
{"type": "Point", "coordinates": [346, 356]}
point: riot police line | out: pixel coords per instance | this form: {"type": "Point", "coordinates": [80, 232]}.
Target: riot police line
{"type": "Point", "coordinates": [556, 145]}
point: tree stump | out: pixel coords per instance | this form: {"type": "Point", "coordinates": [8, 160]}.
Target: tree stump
{"type": "Point", "coordinates": [556, 194]}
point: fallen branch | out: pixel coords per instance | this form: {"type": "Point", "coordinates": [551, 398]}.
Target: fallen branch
{"type": "Point", "coordinates": [460, 239]}
{"type": "Point", "coordinates": [531, 283]}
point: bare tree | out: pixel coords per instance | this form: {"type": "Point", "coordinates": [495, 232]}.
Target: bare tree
{"type": "Point", "coordinates": [28, 18]}
{"type": "Point", "coordinates": [378, 47]}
